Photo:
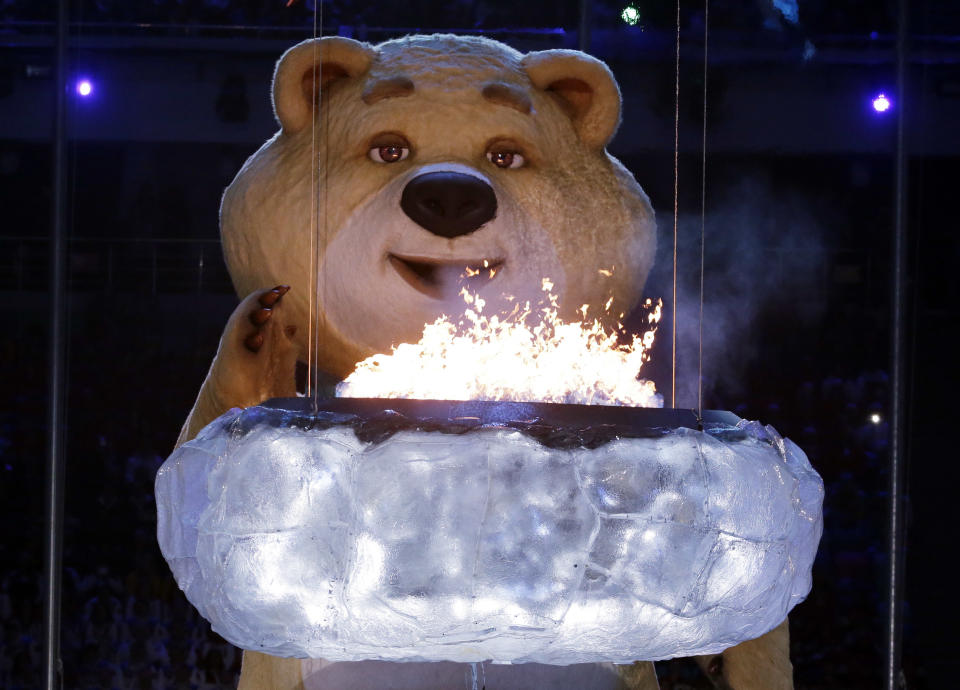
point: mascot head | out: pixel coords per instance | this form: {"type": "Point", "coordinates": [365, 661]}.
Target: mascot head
{"type": "Point", "coordinates": [406, 170]}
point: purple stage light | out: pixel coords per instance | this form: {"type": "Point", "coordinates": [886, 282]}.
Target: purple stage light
{"type": "Point", "coordinates": [881, 103]}
{"type": "Point", "coordinates": [84, 87]}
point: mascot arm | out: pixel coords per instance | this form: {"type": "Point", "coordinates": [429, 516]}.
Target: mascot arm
{"type": "Point", "coordinates": [640, 675]}
{"type": "Point", "coordinates": [256, 360]}
{"type": "Point", "coordinates": [264, 672]}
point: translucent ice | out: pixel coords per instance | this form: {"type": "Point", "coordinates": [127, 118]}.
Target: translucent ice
{"type": "Point", "coordinates": [301, 539]}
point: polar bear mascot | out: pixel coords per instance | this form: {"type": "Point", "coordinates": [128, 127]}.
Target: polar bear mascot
{"type": "Point", "coordinates": [429, 155]}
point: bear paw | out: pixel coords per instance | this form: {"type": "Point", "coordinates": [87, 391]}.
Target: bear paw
{"type": "Point", "coordinates": [256, 360]}
{"type": "Point", "coordinates": [266, 301]}
{"type": "Point", "coordinates": [257, 357]}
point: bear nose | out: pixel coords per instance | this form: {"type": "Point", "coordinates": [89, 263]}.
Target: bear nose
{"type": "Point", "coordinates": [448, 204]}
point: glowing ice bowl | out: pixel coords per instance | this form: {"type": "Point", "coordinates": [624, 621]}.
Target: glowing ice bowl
{"type": "Point", "coordinates": [488, 531]}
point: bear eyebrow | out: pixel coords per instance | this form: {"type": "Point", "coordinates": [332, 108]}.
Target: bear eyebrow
{"type": "Point", "coordinates": [391, 87]}
{"type": "Point", "coordinates": [507, 95]}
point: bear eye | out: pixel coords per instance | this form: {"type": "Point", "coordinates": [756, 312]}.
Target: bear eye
{"type": "Point", "coordinates": [506, 159]}
{"type": "Point", "coordinates": [388, 154]}
{"type": "Point", "coordinates": [388, 147]}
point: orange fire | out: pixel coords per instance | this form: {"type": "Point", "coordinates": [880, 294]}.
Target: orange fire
{"type": "Point", "coordinates": [528, 355]}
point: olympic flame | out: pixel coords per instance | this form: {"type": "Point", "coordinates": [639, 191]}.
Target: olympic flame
{"type": "Point", "coordinates": [530, 354]}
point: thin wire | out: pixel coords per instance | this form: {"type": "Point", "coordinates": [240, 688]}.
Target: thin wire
{"type": "Point", "coordinates": [703, 208]}
{"type": "Point", "coordinates": [676, 209]}
{"type": "Point", "coordinates": [894, 671]}
{"type": "Point", "coordinates": [314, 210]}
{"type": "Point", "coordinates": [55, 465]}
{"type": "Point", "coordinates": [313, 354]}
{"type": "Point", "coordinates": [322, 176]}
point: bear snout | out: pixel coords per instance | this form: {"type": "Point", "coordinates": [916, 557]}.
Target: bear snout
{"type": "Point", "coordinates": [447, 203]}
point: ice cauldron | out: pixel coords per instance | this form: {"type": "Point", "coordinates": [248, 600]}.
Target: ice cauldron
{"type": "Point", "coordinates": [469, 531]}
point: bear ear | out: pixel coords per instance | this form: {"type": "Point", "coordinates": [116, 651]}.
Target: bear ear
{"type": "Point", "coordinates": [585, 88]}
{"type": "Point", "coordinates": [294, 91]}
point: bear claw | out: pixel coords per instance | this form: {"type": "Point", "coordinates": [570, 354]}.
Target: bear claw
{"type": "Point", "coordinates": [269, 298]}
{"type": "Point", "coordinates": [260, 316]}
{"type": "Point", "coordinates": [254, 341]}
{"type": "Point", "coordinates": [716, 666]}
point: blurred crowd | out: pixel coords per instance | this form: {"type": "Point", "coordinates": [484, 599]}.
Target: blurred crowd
{"type": "Point", "coordinates": [132, 632]}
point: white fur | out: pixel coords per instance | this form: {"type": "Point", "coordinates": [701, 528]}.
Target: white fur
{"type": "Point", "coordinates": [371, 305]}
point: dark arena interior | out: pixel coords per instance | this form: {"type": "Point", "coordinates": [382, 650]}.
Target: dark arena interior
{"type": "Point", "coordinates": [811, 152]}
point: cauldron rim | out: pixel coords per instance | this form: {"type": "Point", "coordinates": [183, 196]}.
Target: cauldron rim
{"type": "Point", "coordinates": [496, 412]}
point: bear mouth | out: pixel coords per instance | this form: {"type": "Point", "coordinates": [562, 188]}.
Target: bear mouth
{"type": "Point", "coordinates": [443, 279]}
